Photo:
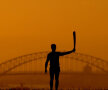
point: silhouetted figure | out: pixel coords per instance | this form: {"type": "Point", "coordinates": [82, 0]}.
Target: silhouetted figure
{"type": "Point", "coordinates": [53, 57]}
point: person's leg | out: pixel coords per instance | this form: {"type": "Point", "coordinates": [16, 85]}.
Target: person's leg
{"type": "Point", "coordinates": [56, 80]}
{"type": "Point", "coordinates": [51, 79]}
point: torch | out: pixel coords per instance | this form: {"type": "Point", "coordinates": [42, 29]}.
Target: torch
{"type": "Point", "coordinates": [74, 38]}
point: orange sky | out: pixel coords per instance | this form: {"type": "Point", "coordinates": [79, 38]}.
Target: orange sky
{"type": "Point", "coordinates": [28, 26]}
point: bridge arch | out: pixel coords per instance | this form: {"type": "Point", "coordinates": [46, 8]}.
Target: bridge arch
{"type": "Point", "coordinates": [11, 64]}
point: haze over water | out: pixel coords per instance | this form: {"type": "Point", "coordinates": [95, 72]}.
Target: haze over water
{"type": "Point", "coordinates": [28, 26]}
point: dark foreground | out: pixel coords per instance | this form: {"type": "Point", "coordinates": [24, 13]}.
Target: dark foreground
{"type": "Point", "coordinates": [49, 89]}
{"type": "Point", "coordinates": [72, 81]}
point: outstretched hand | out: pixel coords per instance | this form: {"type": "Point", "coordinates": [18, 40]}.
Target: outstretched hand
{"type": "Point", "coordinates": [74, 50]}
{"type": "Point", "coordinates": [45, 71]}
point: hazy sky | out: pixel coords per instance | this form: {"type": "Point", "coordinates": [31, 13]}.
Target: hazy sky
{"type": "Point", "coordinates": [28, 26]}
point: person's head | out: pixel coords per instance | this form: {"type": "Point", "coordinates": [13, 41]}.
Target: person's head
{"type": "Point", "coordinates": [53, 47]}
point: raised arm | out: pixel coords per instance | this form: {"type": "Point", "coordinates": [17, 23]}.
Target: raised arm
{"type": "Point", "coordinates": [46, 63]}
{"type": "Point", "coordinates": [65, 53]}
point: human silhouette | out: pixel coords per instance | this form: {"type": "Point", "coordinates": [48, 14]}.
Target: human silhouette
{"type": "Point", "coordinates": [53, 57]}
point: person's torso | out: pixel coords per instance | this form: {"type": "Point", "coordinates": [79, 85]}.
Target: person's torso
{"type": "Point", "coordinates": [54, 60]}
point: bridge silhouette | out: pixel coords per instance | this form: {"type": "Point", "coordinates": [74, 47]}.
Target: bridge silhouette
{"type": "Point", "coordinates": [39, 58]}
{"type": "Point", "coordinates": [73, 64]}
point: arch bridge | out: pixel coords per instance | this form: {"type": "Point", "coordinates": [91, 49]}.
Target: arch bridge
{"type": "Point", "coordinates": [35, 63]}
